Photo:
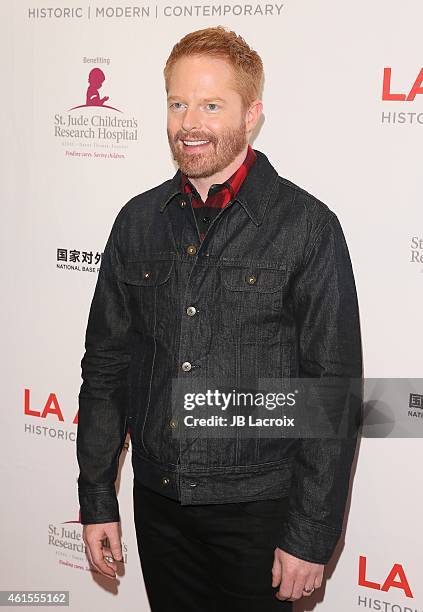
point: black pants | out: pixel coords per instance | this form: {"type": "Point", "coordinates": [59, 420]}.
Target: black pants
{"type": "Point", "coordinates": [208, 558]}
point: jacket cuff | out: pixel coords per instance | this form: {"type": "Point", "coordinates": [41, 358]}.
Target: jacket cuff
{"type": "Point", "coordinates": [307, 540]}
{"type": "Point", "coordinates": [98, 506]}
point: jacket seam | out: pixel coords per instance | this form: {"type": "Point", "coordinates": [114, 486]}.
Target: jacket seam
{"type": "Point", "coordinates": [329, 219]}
{"type": "Point", "coordinates": [110, 489]}
{"type": "Point", "coordinates": [321, 526]}
{"type": "Point", "coordinates": [252, 467]}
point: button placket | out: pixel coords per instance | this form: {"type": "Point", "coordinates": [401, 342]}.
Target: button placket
{"type": "Point", "coordinates": [189, 236]}
{"type": "Point", "coordinates": [191, 345]}
{"type": "Point", "coordinates": [194, 217]}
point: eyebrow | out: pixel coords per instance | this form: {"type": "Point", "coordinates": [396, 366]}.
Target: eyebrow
{"type": "Point", "coordinates": [213, 99]}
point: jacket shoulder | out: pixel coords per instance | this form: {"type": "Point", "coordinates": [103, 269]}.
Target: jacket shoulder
{"type": "Point", "coordinates": [150, 196]}
{"type": "Point", "coordinates": [132, 212]}
{"type": "Point", "coordinates": [312, 207]}
{"type": "Point", "coordinates": [308, 213]}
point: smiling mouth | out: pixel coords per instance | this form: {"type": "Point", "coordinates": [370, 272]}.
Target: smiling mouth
{"type": "Point", "coordinates": [195, 145]}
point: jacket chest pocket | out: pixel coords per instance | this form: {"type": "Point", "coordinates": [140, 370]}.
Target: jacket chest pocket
{"type": "Point", "coordinates": [251, 300]}
{"type": "Point", "coordinates": [149, 286]}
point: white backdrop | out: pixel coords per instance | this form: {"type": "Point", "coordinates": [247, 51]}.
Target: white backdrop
{"type": "Point", "coordinates": [326, 127]}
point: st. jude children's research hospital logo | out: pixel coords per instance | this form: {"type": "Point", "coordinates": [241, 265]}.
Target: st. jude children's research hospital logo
{"type": "Point", "coordinates": [97, 124]}
{"type": "Point", "coordinates": [95, 79]}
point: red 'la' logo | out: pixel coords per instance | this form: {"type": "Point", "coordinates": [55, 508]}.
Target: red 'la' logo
{"type": "Point", "coordinates": [396, 578]}
{"type": "Point", "coordinates": [415, 89]}
{"type": "Point", "coordinates": [51, 407]}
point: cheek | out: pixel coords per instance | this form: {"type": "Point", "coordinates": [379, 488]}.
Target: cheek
{"type": "Point", "coordinates": [211, 128]}
{"type": "Point", "coordinates": [221, 125]}
{"type": "Point", "coordinates": [214, 125]}
{"type": "Point", "coordinates": [173, 124]}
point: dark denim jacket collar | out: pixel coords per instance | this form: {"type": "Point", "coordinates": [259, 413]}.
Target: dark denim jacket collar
{"type": "Point", "coordinates": [254, 194]}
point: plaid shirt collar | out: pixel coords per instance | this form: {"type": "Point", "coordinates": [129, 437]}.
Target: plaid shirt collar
{"type": "Point", "coordinates": [221, 193]}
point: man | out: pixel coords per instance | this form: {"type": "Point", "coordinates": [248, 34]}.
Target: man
{"type": "Point", "coordinates": [225, 268]}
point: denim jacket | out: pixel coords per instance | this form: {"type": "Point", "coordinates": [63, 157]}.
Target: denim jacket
{"type": "Point", "coordinates": [269, 292]}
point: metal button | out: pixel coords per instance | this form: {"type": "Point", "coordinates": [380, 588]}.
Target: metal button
{"type": "Point", "coordinates": [173, 423]}
{"type": "Point", "coordinates": [206, 219]}
{"type": "Point", "coordinates": [191, 249]}
{"type": "Point", "coordinates": [183, 204]}
{"type": "Point", "coordinates": [186, 366]}
{"type": "Point", "coordinates": [192, 484]}
{"type": "Point", "coordinates": [146, 275]}
{"type": "Point", "coordinates": [251, 279]}
{"type": "Point", "coordinates": [165, 481]}
{"type": "Point", "coordinates": [191, 310]}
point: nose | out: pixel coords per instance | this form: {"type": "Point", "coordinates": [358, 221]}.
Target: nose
{"type": "Point", "coordinates": [191, 119]}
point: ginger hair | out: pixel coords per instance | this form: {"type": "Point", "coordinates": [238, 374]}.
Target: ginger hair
{"type": "Point", "coordinates": [224, 44]}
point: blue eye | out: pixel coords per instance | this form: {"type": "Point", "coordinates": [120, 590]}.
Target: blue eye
{"type": "Point", "coordinates": [211, 106]}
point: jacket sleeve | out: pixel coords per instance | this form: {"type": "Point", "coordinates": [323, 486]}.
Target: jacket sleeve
{"type": "Point", "coordinates": [102, 417]}
{"type": "Point", "coordinates": [329, 345]}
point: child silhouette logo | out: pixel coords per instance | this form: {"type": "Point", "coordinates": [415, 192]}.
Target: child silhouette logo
{"type": "Point", "coordinates": [96, 79]}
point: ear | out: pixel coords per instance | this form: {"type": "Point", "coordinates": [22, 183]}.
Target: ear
{"type": "Point", "coordinates": [252, 114]}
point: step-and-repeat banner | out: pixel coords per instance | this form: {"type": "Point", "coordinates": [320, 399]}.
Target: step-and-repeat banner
{"type": "Point", "coordinates": [343, 118]}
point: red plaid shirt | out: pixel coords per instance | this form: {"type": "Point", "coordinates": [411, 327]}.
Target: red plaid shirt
{"type": "Point", "coordinates": [219, 195]}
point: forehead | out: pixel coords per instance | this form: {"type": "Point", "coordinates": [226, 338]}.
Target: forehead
{"type": "Point", "coordinates": [200, 75]}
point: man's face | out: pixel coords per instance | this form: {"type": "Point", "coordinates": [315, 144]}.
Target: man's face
{"type": "Point", "coordinates": [203, 106]}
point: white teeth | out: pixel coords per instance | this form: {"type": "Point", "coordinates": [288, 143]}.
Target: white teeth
{"type": "Point", "coordinates": [192, 143]}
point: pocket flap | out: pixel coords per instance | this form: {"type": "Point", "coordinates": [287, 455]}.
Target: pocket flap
{"type": "Point", "coordinates": [147, 272]}
{"type": "Point", "coordinates": [252, 278]}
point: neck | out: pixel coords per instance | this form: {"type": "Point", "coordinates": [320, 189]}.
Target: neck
{"type": "Point", "coordinates": [203, 185]}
